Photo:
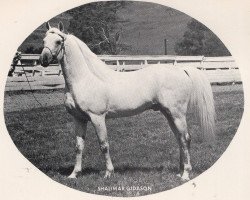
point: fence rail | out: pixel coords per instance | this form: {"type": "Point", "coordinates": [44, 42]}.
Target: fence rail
{"type": "Point", "coordinates": [217, 69]}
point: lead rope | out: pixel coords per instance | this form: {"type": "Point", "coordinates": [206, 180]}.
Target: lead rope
{"type": "Point", "coordinates": [32, 91]}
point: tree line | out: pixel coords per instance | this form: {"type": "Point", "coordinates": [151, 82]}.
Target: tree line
{"type": "Point", "coordinates": [199, 40]}
{"type": "Point", "coordinates": [99, 26]}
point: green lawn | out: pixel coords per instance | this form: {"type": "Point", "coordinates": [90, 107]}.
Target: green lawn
{"type": "Point", "coordinates": [143, 149]}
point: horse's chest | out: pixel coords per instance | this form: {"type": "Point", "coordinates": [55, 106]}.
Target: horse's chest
{"type": "Point", "coordinates": [73, 108]}
{"type": "Point", "coordinates": [82, 104]}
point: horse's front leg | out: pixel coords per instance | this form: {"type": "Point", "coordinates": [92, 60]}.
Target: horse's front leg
{"type": "Point", "coordinates": [101, 131]}
{"type": "Point", "coordinates": [80, 131]}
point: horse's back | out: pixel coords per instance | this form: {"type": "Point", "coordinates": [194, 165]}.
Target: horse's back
{"type": "Point", "coordinates": [134, 92]}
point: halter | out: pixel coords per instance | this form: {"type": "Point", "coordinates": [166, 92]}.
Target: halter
{"type": "Point", "coordinates": [54, 56]}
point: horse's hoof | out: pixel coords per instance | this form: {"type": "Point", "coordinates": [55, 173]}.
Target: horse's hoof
{"type": "Point", "coordinates": [108, 174]}
{"type": "Point", "coordinates": [184, 177]}
{"type": "Point", "coordinates": [73, 176]}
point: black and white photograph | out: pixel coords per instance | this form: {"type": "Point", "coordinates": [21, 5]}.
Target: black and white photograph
{"type": "Point", "coordinates": [124, 99]}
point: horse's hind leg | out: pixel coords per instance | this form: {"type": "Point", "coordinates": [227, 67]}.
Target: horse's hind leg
{"type": "Point", "coordinates": [80, 131]}
{"type": "Point", "coordinates": [101, 131]}
{"type": "Point", "coordinates": [178, 124]}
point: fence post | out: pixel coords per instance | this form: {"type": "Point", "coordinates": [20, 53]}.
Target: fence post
{"type": "Point", "coordinates": [232, 71]}
{"type": "Point", "coordinates": [166, 46]}
{"type": "Point", "coordinates": [202, 62]}
{"type": "Point", "coordinates": [42, 72]}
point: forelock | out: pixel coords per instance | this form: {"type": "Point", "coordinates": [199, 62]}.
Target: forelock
{"type": "Point", "coordinates": [54, 30]}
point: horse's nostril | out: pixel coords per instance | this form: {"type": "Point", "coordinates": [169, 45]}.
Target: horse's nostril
{"type": "Point", "coordinates": [44, 59]}
{"type": "Point", "coordinates": [44, 64]}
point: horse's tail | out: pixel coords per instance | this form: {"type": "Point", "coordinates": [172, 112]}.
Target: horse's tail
{"type": "Point", "coordinates": [202, 102]}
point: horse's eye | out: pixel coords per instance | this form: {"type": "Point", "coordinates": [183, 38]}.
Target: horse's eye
{"type": "Point", "coordinates": [58, 42]}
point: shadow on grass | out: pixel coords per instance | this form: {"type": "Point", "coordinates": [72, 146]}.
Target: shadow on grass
{"type": "Point", "coordinates": [51, 85]}
{"type": "Point", "coordinates": [66, 171]}
{"type": "Point", "coordinates": [173, 169]}
{"type": "Point", "coordinates": [131, 169]}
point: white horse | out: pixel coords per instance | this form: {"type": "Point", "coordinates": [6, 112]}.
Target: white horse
{"type": "Point", "coordinates": [95, 92]}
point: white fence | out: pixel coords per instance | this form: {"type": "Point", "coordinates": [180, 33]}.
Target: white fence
{"type": "Point", "coordinates": [218, 69]}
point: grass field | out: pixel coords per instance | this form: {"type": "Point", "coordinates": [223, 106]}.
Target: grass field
{"type": "Point", "coordinates": [143, 149]}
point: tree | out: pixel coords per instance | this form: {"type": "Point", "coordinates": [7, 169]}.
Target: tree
{"type": "Point", "coordinates": [199, 40]}
{"type": "Point", "coordinates": [32, 50]}
{"type": "Point", "coordinates": [214, 46]}
{"type": "Point", "coordinates": [96, 24]}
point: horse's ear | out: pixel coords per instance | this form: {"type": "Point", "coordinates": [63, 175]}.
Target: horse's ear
{"type": "Point", "coordinates": [60, 26]}
{"type": "Point", "coordinates": [48, 25]}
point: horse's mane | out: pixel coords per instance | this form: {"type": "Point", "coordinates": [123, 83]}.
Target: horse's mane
{"type": "Point", "coordinates": [95, 65]}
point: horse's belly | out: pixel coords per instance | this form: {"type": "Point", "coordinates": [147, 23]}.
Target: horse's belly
{"type": "Point", "coordinates": [129, 110]}
{"type": "Point", "coordinates": [131, 98]}
{"type": "Point", "coordinates": [128, 105]}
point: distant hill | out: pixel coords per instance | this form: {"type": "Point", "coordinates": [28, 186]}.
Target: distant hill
{"type": "Point", "coordinates": [149, 24]}
{"type": "Point", "coordinates": [144, 28]}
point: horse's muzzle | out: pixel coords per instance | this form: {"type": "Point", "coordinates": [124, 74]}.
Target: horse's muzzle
{"type": "Point", "coordinates": [45, 58]}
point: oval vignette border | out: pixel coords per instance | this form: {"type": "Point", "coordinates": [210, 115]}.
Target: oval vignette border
{"type": "Point", "coordinates": [32, 182]}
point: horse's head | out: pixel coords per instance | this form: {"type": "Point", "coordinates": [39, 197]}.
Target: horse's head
{"type": "Point", "coordinates": [53, 45]}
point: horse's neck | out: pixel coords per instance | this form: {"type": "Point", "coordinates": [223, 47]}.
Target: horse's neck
{"type": "Point", "coordinates": [73, 65]}
{"type": "Point", "coordinates": [95, 65]}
